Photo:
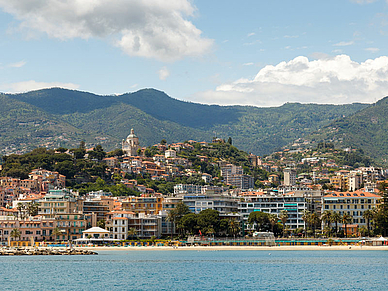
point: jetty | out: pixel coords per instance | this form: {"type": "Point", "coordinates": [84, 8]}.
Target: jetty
{"type": "Point", "coordinates": [44, 252]}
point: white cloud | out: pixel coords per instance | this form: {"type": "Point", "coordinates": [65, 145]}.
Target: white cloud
{"type": "Point", "coordinates": [344, 43]}
{"type": "Point", "coordinates": [152, 29]}
{"type": "Point", "coordinates": [336, 80]}
{"type": "Point", "coordinates": [31, 85]}
{"type": "Point", "coordinates": [163, 73]}
{"type": "Point", "coordinates": [372, 49]}
{"type": "Point", "coordinates": [363, 1]}
{"type": "Point", "coordinates": [251, 34]}
{"type": "Point", "coordinates": [17, 65]}
{"type": "Point", "coordinates": [248, 64]}
{"type": "Point", "coordinates": [291, 36]}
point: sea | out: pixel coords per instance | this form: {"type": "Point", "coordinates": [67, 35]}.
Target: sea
{"type": "Point", "coordinates": [199, 270]}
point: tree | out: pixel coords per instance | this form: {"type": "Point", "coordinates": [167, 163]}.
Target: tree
{"type": "Point", "coordinates": [132, 232]}
{"type": "Point", "coordinates": [101, 223]}
{"type": "Point", "coordinates": [32, 208]}
{"type": "Point", "coordinates": [368, 215]}
{"type": "Point", "coordinates": [15, 233]}
{"type": "Point", "coordinates": [209, 219]}
{"type": "Point", "coordinates": [172, 215]}
{"type": "Point", "coordinates": [306, 218]}
{"type": "Point", "coordinates": [346, 219]}
{"type": "Point", "coordinates": [230, 140]}
{"type": "Point", "coordinates": [283, 218]}
{"type": "Point", "coordinates": [315, 221]}
{"type": "Point", "coordinates": [273, 219]}
{"type": "Point", "coordinates": [97, 153]}
{"type": "Point", "coordinates": [188, 223]}
{"type": "Point", "coordinates": [336, 218]}
{"type": "Point", "coordinates": [261, 219]}
{"type": "Point", "coordinates": [21, 210]}
{"type": "Point", "coordinates": [180, 211]}
{"type": "Point", "coordinates": [381, 212]}
{"type": "Point", "coordinates": [163, 142]}
{"type": "Point", "coordinates": [234, 227]}
{"type": "Point", "coordinates": [115, 153]}
{"type": "Point", "coordinates": [326, 217]}
{"type": "Point", "coordinates": [57, 233]}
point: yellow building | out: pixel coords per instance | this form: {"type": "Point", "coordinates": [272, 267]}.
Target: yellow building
{"type": "Point", "coordinates": [352, 203]}
{"type": "Point", "coordinates": [146, 205]}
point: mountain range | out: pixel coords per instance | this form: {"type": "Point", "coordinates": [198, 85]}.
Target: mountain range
{"type": "Point", "coordinates": [60, 117]}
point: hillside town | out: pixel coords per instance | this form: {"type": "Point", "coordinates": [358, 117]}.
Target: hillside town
{"type": "Point", "coordinates": [191, 189]}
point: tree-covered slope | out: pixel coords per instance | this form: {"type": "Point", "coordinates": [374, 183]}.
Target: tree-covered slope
{"type": "Point", "coordinates": [366, 130]}
{"type": "Point", "coordinates": [154, 116]}
{"type": "Point", "coordinates": [24, 127]}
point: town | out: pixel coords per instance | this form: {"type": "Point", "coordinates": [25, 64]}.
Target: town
{"type": "Point", "coordinates": [189, 190]}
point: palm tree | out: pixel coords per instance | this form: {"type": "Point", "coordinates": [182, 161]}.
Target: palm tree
{"type": "Point", "coordinates": [32, 208]}
{"type": "Point", "coordinates": [56, 233]}
{"type": "Point", "coordinates": [283, 217]}
{"type": "Point", "coordinates": [306, 218]}
{"type": "Point", "coordinates": [234, 227]}
{"type": "Point", "coordinates": [368, 215]}
{"type": "Point", "coordinates": [273, 219]}
{"type": "Point", "coordinates": [326, 217]}
{"type": "Point", "coordinates": [171, 217]}
{"type": "Point", "coordinates": [132, 232]}
{"type": "Point", "coordinates": [336, 217]}
{"type": "Point", "coordinates": [15, 233]}
{"type": "Point", "coordinates": [21, 209]}
{"type": "Point", "coordinates": [346, 219]}
{"type": "Point", "coordinates": [315, 221]}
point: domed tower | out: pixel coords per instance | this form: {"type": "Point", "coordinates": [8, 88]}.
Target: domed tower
{"type": "Point", "coordinates": [131, 144]}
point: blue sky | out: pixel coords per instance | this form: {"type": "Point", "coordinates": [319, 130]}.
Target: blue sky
{"type": "Point", "coordinates": [262, 53]}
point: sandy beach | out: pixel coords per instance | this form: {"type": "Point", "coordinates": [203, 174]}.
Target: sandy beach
{"type": "Point", "coordinates": [242, 248]}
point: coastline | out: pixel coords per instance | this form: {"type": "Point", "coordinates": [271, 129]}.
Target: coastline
{"type": "Point", "coordinates": [241, 248]}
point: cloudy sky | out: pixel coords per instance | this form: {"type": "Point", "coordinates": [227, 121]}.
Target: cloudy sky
{"type": "Point", "coordinates": [250, 52]}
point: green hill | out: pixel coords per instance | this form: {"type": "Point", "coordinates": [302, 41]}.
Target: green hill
{"type": "Point", "coordinates": [154, 116]}
{"type": "Point", "coordinates": [366, 130]}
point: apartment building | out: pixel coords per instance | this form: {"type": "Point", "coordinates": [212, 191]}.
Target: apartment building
{"type": "Point", "coordinates": [294, 203]}
{"type": "Point", "coordinates": [352, 203]}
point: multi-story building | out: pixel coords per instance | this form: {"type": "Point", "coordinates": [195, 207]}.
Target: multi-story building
{"type": "Point", "coordinates": [71, 225]}
{"type": "Point", "coordinates": [187, 189]}
{"type": "Point", "coordinates": [146, 205]}
{"type": "Point", "coordinates": [289, 177]}
{"type": "Point", "coordinates": [352, 203]}
{"type": "Point", "coordinates": [60, 201]}
{"type": "Point", "coordinates": [274, 203]}
{"type": "Point", "coordinates": [355, 181]}
{"type": "Point", "coordinates": [222, 203]}
{"type": "Point", "coordinates": [100, 205]}
{"type": "Point", "coordinates": [241, 181]}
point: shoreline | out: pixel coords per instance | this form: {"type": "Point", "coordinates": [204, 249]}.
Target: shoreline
{"type": "Point", "coordinates": [240, 248]}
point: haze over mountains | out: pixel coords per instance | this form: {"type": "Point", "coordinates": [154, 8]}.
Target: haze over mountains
{"type": "Point", "coordinates": [59, 117]}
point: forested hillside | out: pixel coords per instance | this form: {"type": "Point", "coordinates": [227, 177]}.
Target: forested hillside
{"type": "Point", "coordinates": [366, 130]}
{"type": "Point", "coordinates": [154, 115]}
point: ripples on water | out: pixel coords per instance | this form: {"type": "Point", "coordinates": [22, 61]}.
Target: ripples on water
{"type": "Point", "coordinates": [199, 270]}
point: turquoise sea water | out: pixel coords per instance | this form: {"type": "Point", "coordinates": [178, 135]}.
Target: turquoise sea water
{"type": "Point", "coordinates": [199, 270]}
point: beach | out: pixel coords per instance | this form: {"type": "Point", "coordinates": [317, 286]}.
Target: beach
{"type": "Point", "coordinates": [242, 248]}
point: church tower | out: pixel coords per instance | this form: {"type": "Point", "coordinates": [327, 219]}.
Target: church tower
{"type": "Point", "coordinates": [131, 144]}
